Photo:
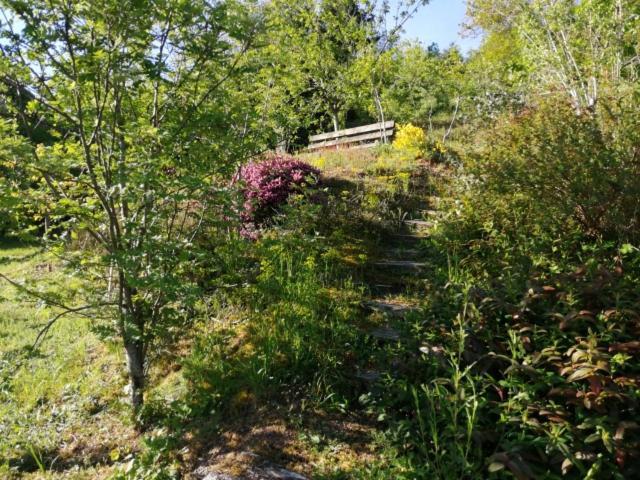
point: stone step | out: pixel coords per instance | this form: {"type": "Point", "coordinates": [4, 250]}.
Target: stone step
{"type": "Point", "coordinates": [387, 289]}
{"type": "Point", "coordinates": [419, 224]}
{"type": "Point", "coordinates": [368, 375]}
{"type": "Point", "coordinates": [402, 252]}
{"type": "Point", "coordinates": [266, 471]}
{"type": "Point", "coordinates": [409, 238]}
{"type": "Point", "coordinates": [385, 333]}
{"type": "Point", "coordinates": [278, 473]}
{"type": "Point", "coordinates": [396, 310]}
{"type": "Point", "coordinates": [430, 213]}
{"type": "Point", "coordinates": [401, 264]}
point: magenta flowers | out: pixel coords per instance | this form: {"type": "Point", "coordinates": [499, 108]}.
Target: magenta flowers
{"type": "Point", "coordinates": [267, 185]}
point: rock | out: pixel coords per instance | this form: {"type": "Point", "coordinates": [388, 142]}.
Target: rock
{"type": "Point", "coordinates": [435, 350]}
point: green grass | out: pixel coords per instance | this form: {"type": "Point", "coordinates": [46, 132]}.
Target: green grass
{"type": "Point", "coordinates": [347, 163]}
{"type": "Point", "coordinates": [54, 402]}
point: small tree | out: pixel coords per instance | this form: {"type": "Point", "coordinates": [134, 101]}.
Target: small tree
{"type": "Point", "coordinates": [132, 91]}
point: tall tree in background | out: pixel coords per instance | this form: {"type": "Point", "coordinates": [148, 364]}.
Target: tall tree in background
{"type": "Point", "coordinates": [134, 94]}
{"type": "Point", "coordinates": [318, 46]}
{"type": "Point", "coordinates": [497, 76]}
{"type": "Point", "coordinates": [422, 85]}
{"type": "Point", "coordinates": [326, 58]}
{"type": "Point", "coordinates": [581, 48]}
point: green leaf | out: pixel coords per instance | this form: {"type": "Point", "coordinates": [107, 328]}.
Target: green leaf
{"type": "Point", "coordinates": [627, 248]}
{"type": "Point", "coordinates": [580, 374]}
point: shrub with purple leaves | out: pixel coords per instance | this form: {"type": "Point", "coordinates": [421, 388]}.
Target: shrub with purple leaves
{"type": "Point", "coordinates": [267, 185]}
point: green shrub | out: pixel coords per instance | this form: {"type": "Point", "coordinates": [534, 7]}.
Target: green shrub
{"type": "Point", "coordinates": [542, 236]}
{"type": "Point", "coordinates": [559, 168]}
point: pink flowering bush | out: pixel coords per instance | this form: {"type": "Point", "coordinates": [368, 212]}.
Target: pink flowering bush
{"type": "Point", "coordinates": [267, 185]}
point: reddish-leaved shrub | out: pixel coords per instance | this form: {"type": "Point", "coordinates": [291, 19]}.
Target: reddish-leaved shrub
{"type": "Point", "coordinates": [267, 184]}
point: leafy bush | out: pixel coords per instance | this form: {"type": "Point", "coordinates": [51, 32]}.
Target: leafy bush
{"type": "Point", "coordinates": [410, 139]}
{"type": "Point", "coordinates": [569, 169]}
{"type": "Point", "coordinates": [540, 239]}
{"type": "Point", "coordinates": [267, 185]}
{"type": "Point", "coordinates": [437, 150]}
{"type": "Point", "coordinates": [15, 215]}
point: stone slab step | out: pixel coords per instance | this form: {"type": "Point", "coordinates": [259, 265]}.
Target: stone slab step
{"type": "Point", "coordinates": [264, 472]}
{"type": "Point", "coordinates": [387, 289]}
{"type": "Point", "coordinates": [368, 375]}
{"type": "Point", "coordinates": [403, 252]}
{"type": "Point", "coordinates": [397, 310]}
{"type": "Point", "coordinates": [430, 213]}
{"type": "Point", "coordinates": [277, 473]}
{"type": "Point", "coordinates": [401, 264]}
{"type": "Point", "coordinates": [385, 333]}
{"type": "Point", "coordinates": [419, 224]}
{"type": "Point", "coordinates": [408, 238]}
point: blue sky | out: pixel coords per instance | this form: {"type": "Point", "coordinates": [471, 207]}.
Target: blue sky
{"type": "Point", "coordinates": [439, 22]}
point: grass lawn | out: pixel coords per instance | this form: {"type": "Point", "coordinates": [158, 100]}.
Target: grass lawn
{"type": "Point", "coordinates": [62, 406]}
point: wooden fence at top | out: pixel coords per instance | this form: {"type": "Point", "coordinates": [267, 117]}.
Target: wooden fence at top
{"type": "Point", "coordinates": [365, 136]}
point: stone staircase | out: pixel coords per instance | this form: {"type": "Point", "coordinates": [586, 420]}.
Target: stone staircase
{"type": "Point", "coordinates": [393, 302]}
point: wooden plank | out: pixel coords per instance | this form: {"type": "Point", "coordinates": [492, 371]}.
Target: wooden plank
{"type": "Point", "coordinates": [362, 146]}
{"type": "Point", "coordinates": [354, 139]}
{"type": "Point", "coordinates": [352, 131]}
{"type": "Point", "coordinates": [367, 137]}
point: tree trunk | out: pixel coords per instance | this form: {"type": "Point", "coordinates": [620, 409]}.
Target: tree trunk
{"type": "Point", "coordinates": [334, 117]}
{"type": "Point", "coordinates": [135, 366]}
{"type": "Point", "coordinates": [381, 119]}
{"type": "Point", "coordinates": [132, 330]}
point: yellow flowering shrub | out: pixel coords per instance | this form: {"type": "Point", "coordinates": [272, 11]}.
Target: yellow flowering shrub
{"type": "Point", "coordinates": [410, 139]}
{"type": "Point", "coordinates": [437, 150]}
{"type": "Point", "coordinates": [319, 162]}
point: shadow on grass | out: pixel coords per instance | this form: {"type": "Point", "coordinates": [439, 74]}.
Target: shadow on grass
{"type": "Point", "coordinates": [279, 436]}
{"type": "Point", "coordinates": [33, 460]}
{"type": "Point", "coordinates": [260, 390]}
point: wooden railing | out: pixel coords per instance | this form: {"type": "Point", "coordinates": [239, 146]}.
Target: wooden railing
{"type": "Point", "coordinates": [365, 136]}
